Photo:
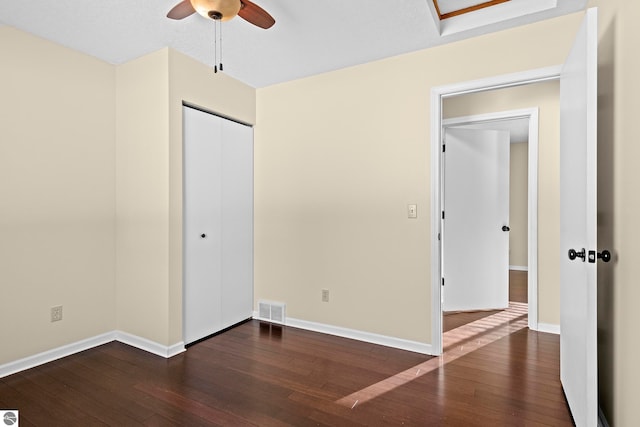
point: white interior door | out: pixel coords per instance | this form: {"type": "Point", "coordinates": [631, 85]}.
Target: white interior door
{"type": "Point", "coordinates": [218, 223]}
{"type": "Point", "coordinates": [578, 156]}
{"type": "Point", "coordinates": [475, 260]}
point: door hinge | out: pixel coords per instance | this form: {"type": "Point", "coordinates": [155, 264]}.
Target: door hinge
{"type": "Point", "coordinates": [444, 148]}
{"type": "Point", "coordinates": [438, 236]}
{"type": "Point", "coordinates": [443, 281]}
{"type": "Point", "coordinates": [442, 214]}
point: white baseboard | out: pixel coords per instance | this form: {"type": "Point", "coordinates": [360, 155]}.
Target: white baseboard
{"type": "Point", "coordinates": [549, 328]}
{"type": "Point", "coordinates": [55, 354]}
{"type": "Point", "coordinates": [519, 267]}
{"type": "Point", "coordinates": [170, 351]}
{"type": "Point", "coordinates": [76, 347]}
{"type": "Point", "coordinates": [369, 337]}
{"type": "Point", "coordinates": [150, 346]}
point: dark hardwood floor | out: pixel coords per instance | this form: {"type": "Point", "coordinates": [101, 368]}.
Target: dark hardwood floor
{"type": "Point", "coordinates": [262, 375]}
{"type": "Point", "coordinates": [517, 293]}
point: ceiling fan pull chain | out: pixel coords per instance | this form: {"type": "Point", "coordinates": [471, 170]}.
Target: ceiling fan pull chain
{"type": "Point", "coordinates": [221, 46]}
{"type": "Point", "coordinates": [215, 45]}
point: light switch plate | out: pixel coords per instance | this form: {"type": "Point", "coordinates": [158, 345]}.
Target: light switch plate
{"type": "Point", "coordinates": [412, 211]}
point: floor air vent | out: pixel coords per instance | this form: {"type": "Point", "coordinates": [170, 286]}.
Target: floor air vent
{"type": "Point", "coordinates": [271, 311]}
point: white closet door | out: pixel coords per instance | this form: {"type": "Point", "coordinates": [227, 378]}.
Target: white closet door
{"type": "Point", "coordinates": [218, 223]}
{"type": "Point", "coordinates": [237, 223]}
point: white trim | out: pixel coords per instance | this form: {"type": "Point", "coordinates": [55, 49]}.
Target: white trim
{"type": "Point", "coordinates": [495, 82]}
{"type": "Point", "coordinates": [518, 268]}
{"type": "Point", "coordinates": [436, 257]}
{"type": "Point", "coordinates": [438, 93]}
{"type": "Point", "coordinates": [354, 334]}
{"type": "Point", "coordinates": [489, 117]}
{"type": "Point", "coordinates": [150, 346]}
{"type": "Point", "coordinates": [55, 354]}
{"type": "Point", "coordinates": [532, 222]}
{"type": "Point", "coordinates": [86, 344]}
{"type": "Point", "coordinates": [549, 328]}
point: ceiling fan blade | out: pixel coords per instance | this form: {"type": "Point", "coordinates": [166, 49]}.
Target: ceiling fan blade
{"type": "Point", "coordinates": [256, 15]}
{"type": "Point", "coordinates": [181, 10]}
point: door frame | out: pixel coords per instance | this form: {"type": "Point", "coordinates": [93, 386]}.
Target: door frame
{"type": "Point", "coordinates": [532, 114]}
{"type": "Point", "coordinates": [439, 93]}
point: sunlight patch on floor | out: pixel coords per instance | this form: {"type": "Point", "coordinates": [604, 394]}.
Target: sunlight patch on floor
{"type": "Point", "coordinates": [456, 343]}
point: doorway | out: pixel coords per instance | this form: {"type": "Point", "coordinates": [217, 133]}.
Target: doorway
{"type": "Point", "coordinates": [438, 95]}
{"type": "Point", "coordinates": [505, 286]}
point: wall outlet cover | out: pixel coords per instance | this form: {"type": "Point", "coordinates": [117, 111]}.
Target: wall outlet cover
{"type": "Point", "coordinates": [56, 313]}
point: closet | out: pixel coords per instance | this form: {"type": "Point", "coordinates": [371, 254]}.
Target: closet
{"type": "Point", "coordinates": [217, 223]}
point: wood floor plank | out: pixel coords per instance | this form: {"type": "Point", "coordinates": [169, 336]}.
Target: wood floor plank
{"type": "Point", "coordinates": [518, 292]}
{"type": "Point", "coordinates": [39, 406]}
{"type": "Point", "coordinates": [87, 395]}
{"type": "Point", "coordinates": [257, 375]}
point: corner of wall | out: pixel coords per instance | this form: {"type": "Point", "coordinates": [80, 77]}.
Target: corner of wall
{"type": "Point", "coordinates": [142, 197]}
{"type": "Point", "coordinates": [56, 184]}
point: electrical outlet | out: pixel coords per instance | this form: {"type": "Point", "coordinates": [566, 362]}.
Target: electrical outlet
{"type": "Point", "coordinates": [56, 313]}
{"type": "Point", "coordinates": [325, 295]}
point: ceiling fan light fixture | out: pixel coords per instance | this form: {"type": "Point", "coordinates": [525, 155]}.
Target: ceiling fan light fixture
{"type": "Point", "coordinates": [222, 10]}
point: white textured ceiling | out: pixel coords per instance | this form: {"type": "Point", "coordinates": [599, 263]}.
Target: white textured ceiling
{"type": "Point", "coordinates": [309, 37]}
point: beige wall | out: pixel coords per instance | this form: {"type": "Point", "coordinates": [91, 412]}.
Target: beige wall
{"type": "Point", "coordinates": [57, 223]}
{"type": "Point", "coordinates": [338, 158]}
{"type": "Point", "coordinates": [544, 96]}
{"type": "Point", "coordinates": [518, 205]}
{"type": "Point", "coordinates": [142, 197]}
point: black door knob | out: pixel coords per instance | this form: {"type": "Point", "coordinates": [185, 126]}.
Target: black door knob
{"type": "Point", "coordinates": [505, 228]}
{"type": "Point", "coordinates": [573, 254]}
{"type": "Point", "coordinates": [605, 256]}
{"type": "Point", "coordinates": [203, 235]}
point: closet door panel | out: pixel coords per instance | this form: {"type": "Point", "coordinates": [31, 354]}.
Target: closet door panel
{"type": "Point", "coordinates": [202, 218]}
{"type": "Point", "coordinates": [237, 223]}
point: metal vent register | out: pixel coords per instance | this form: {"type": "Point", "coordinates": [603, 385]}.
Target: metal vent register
{"type": "Point", "coordinates": [271, 311]}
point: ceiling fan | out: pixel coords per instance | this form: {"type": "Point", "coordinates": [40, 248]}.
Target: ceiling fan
{"type": "Point", "coordinates": [223, 10]}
